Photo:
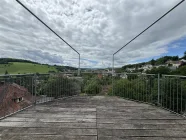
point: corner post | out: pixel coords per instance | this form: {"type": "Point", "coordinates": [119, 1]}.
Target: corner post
{"type": "Point", "coordinates": [79, 66]}
{"type": "Point", "coordinates": [158, 89]}
{"type": "Point", "coordinates": [113, 75]}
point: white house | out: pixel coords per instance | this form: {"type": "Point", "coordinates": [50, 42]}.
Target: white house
{"type": "Point", "coordinates": [147, 67]}
{"type": "Point", "coordinates": [174, 64]}
{"type": "Point", "coordinates": [124, 76]}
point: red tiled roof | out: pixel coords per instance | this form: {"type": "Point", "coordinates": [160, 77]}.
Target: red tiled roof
{"type": "Point", "coordinates": [17, 95]}
{"type": "Point", "coordinates": [2, 92]}
{"type": "Point", "coordinates": [12, 91]}
{"type": "Point", "coordinates": [19, 87]}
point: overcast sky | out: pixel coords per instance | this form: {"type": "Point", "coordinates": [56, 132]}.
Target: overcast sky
{"type": "Point", "coordinates": [95, 28]}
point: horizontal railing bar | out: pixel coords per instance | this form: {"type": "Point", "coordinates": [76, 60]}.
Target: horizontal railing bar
{"type": "Point", "coordinates": [31, 74]}
{"type": "Point", "coordinates": [174, 76]}
{"type": "Point", "coordinates": [8, 75]}
{"type": "Point", "coordinates": [137, 74]}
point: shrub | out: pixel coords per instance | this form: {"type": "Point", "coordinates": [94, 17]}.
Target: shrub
{"type": "Point", "coordinates": [92, 86]}
{"type": "Point", "coordinates": [59, 87]}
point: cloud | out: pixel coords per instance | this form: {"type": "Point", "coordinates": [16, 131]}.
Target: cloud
{"type": "Point", "coordinates": [96, 28]}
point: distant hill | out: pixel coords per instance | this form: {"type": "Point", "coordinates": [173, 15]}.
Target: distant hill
{"type": "Point", "coordinates": [20, 66]}
{"type": "Point", "coordinates": [7, 60]}
{"type": "Point", "coordinates": [159, 61]}
{"type": "Point", "coordinates": [23, 68]}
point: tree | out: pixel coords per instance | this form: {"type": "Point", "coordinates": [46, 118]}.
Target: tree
{"type": "Point", "coordinates": [6, 72]}
{"type": "Point", "coordinates": [59, 86]}
{"type": "Point", "coordinates": [160, 70]}
{"type": "Point", "coordinates": [153, 62]}
{"type": "Point", "coordinates": [184, 57]}
{"type": "Point", "coordinates": [180, 71]}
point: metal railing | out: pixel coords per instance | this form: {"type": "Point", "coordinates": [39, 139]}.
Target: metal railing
{"type": "Point", "coordinates": [166, 91]}
{"type": "Point", "coordinates": [173, 93]}
{"type": "Point", "coordinates": [140, 87]}
{"type": "Point", "coordinates": [18, 92]}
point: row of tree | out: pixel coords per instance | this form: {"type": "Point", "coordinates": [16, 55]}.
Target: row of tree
{"type": "Point", "coordinates": [8, 60]}
{"type": "Point", "coordinates": [159, 61]}
{"type": "Point", "coordinates": [168, 71]}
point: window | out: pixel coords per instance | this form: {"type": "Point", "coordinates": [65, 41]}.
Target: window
{"type": "Point", "coordinates": [20, 99]}
{"type": "Point", "coordinates": [17, 100]}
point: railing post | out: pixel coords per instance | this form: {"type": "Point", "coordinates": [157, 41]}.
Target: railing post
{"type": "Point", "coordinates": [79, 66]}
{"type": "Point", "coordinates": [35, 89]}
{"type": "Point", "coordinates": [158, 89]}
{"type": "Point", "coordinates": [32, 89]}
{"type": "Point", "coordinates": [113, 75]}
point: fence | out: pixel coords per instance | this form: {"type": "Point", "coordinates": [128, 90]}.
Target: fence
{"type": "Point", "coordinates": [173, 93]}
{"type": "Point", "coordinates": [166, 91]}
{"type": "Point", "coordinates": [18, 92]}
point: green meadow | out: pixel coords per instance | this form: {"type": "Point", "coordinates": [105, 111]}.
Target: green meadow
{"type": "Point", "coordinates": [24, 68]}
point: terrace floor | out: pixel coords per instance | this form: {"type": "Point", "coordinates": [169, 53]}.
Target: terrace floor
{"type": "Point", "coordinates": [93, 118]}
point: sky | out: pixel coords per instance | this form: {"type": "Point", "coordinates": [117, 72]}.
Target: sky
{"type": "Point", "coordinates": [95, 28]}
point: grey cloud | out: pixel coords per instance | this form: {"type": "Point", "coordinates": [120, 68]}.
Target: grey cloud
{"type": "Point", "coordinates": [95, 28]}
{"type": "Point", "coordinates": [42, 57]}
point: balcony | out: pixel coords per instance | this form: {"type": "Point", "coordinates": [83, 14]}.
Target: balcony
{"type": "Point", "coordinates": [56, 107]}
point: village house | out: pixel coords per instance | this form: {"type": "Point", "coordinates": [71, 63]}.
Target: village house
{"type": "Point", "coordinates": [160, 66]}
{"type": "Point", "coordinates": [146, 67]}
{"type": "Point", "coordinates": [13, 97]}
{"type": "Point", "coordinates": [131, 69]}
{"type": "Point", "coordinates": [182, 62]}
{"type": "Point", "coordinates": [124, 76]}
{"type": "Point", "coordinates": [174, 64]}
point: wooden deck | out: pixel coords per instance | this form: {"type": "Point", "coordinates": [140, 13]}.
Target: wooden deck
{"type": "Point", "coordinates": [93, 118]}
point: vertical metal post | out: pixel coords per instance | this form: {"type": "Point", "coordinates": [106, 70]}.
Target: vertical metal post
{"type": "Point", "coordinates": [113, 65]}
{"type": "Point", "coordinates": [113, 75]}
{"type": "Point", "coordinates": [35, 88]}
{"type": "Point", "coordinates": [158, 88]}
{"type": "Point", "coordinates": [170, 105]}
{"type": "Point", "coordinates": [182, 100]}
{"type": "Point", "coordinates": [79, 66]}
{"type": "Point", "coordinates": [177, 98]}
{"type": "Point", "coordinates": [32, 89]}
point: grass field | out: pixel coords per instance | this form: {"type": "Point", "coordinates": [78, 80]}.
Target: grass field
{"type": "Point", "coordinates": [23, 68]}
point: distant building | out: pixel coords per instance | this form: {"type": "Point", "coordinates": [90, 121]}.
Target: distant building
{"type": "Point", "coordinates": [13, 97]}
{"type": "Point", "coordinates": [66, 75]}
{"type": "Point", "coordinates": [131, 69]}
{"type": "Point", "coordinates": [173, 64]}
{"type": "Point", "coordinates": [124, 76]}
{"type": "Point", "coordinates": [147, 67]}
{"type": "Point", "coordinates": [183, 62]}
{"type": "Point", "coordinates": [160, 66]}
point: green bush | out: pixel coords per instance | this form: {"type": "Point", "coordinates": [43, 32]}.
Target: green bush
{"type": "Point", "coordinates": [92, 86]}
{"type": "Point", "coordinates": [59, 87]}
{"type": "Point", "coordinates": [140, 89]}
